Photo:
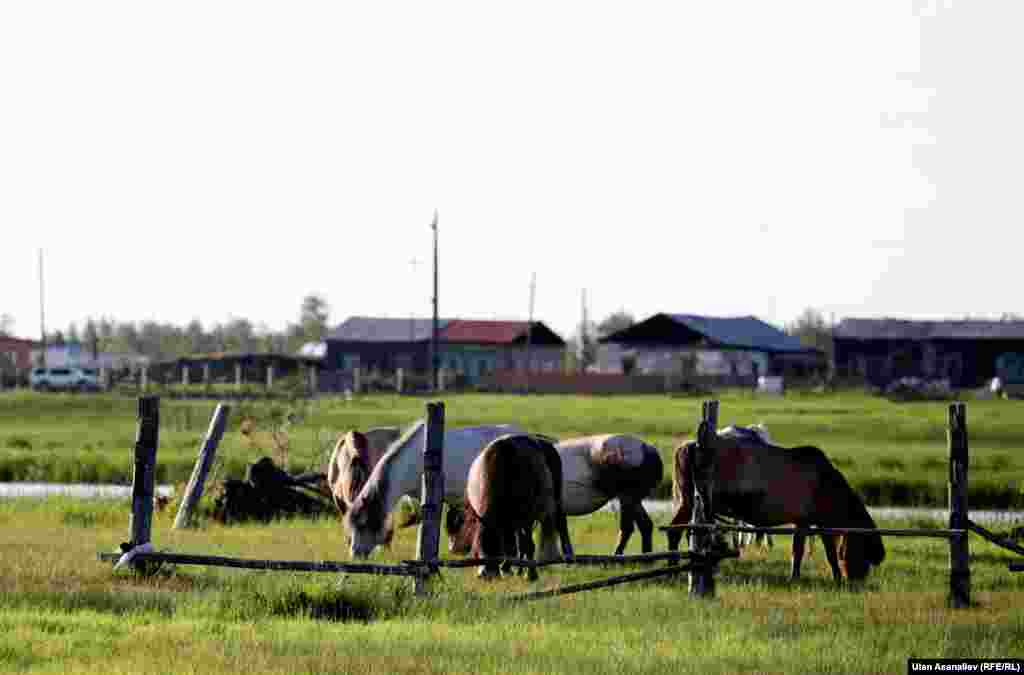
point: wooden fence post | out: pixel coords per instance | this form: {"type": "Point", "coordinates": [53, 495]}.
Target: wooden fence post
{"type": "Point", "coordinates": [185, 374]}
{"type": "Point", "coordinates": [238, 376]}
{"type": "Point", "coordinates": [702, 580]}
{"type": "Point", "coordinates": [194, 490]}
{"type": "Point", "coordinates": [270, 376]}
{"type": "Point", "coordinates": [431, 495]}
{"type": "Point", "coordinates": [144, 470]}
{"type": "Point", "coordinates": [959, 557]}
{"type": "Point", "coordinates": [357, 380]}
{"type": "Point", "coordinates": [144, 379]}
{"type": "Point", "coordinates": [399, 380]}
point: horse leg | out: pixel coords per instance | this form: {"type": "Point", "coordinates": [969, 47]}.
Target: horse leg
{"type": "Point", "coordinates": [675, 536]}
{"type": "Point", "coordinates": [627, 509]}
{"type": "Point", "coordinates": [510, 547]}
{"type": "Point", "coordinates": [527, 551]}
{"type": "Point", "coordinates": [491, 545]}
{"type": "Point", "coordinates": [549, 538]}
{"type": "Point", "coordinates": [646, 527]}
{"type": "Point", "coordinates": [829, 542]}
{"type": "Point", "coordinates": [798, 556]}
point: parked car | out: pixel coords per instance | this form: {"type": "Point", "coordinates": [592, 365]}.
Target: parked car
{"type": "Point", "coordinates": [64, 379]}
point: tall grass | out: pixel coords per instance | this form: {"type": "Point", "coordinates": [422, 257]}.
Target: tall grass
{"type": "Point", "coordinates": [892, 453]}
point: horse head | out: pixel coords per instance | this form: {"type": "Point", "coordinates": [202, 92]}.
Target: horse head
{"type": "Point", "coordinates": [351, 466]}
{"type": "Point", "coordinates": [367, 524]}
{"type": "Point", "coordinates": [857, 553]}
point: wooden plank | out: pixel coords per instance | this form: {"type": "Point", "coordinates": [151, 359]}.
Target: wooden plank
{"type": "Point", "coordinates": [702, 577]}
{"type": "Point", "coordinates": [998, 541]}
{"type": "Point", "coordinates": [144, 469]}
{"type": "Point", "coordinates": [959, 554]}
{"type": "Point", "coordinates": [289, 565]}
{"type": "Point", "coordinates": [576, 560]}
{"type": "Point", "coordinates": [207, 453]}
{"type": "Point", "coordinates": [810, 531]}
{"type": "Point", "coordinates": [603, 583]}
{"type": "Point", "coordinates": [432, 493]}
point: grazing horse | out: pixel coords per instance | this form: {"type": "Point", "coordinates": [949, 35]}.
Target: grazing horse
{"type": "Point", "coordinates": [768, 485]}
{"type": "Point", "coordinates": [598, 469]}
{"type": "Point", "coordinates": [515, 482]}
{"type": "Point", "coordinates": [398, 473]}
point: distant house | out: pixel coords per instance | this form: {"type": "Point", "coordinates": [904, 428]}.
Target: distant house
{"type": "Point", "coordinates": [469, 348]}
{"type": "Point", "coordinates": [224, 367]}
{"type": "Point", "coordinates": [966, 352]}
{"type": "Point", "coordinates": [741, 347]}
{"type": "Point", "coordinates": [16, 355]}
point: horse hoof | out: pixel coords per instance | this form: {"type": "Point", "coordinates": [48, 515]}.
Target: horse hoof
{"type": "Point", "coordinates": [488, 573]}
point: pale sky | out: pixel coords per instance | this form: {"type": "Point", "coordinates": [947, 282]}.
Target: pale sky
{"type": "Point", "coordinates": [223, 159]}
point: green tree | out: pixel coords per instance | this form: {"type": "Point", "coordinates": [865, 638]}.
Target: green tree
{"type": "Point", "coordinates": [615, 322]}
{"type": "Point", "coordinates": [813, 330]}
{"type": "Point", "coordinates": [313, 317]}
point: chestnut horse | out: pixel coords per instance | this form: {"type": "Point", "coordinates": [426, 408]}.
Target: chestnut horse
{"type": "Point", "coordinates": [355, 454]}
{"type": "Point", "coordinates": [768, 485]}
{"type": "Point", "coordinates": [515, 482]}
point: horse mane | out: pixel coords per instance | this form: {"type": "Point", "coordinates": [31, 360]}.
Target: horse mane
{"type": "Point", "coordinates": [615, 477]}
{"type": "Point", "coordinates": [377, 483]}
{"type": "Point", "coordinates": [755, 432]}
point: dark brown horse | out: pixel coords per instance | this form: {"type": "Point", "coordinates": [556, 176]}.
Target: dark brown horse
{"type": "Point", "coordinates": [515, 482]}
{"type": "Point", "coordinates": [767, 485]}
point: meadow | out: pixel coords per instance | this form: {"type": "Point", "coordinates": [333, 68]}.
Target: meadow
{"type": "Point", "coordinates": [892, 453]}
{"type": "Point", "coordinates": [63, 611]}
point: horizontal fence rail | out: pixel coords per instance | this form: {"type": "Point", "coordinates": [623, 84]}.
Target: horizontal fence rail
{"type": "Point", "coordinates": [889, 532]}
{"type": "Point", "coordinates": [998, 541]}
{"type": "Point", "coordinates": [246, 563]}
{"type": "Point", "coordinates": [603, 583]}
{"type": "Point", "coordinates": [673, 556]}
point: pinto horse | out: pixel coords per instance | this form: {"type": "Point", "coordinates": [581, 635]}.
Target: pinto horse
{"type": "Point", "coordinates": [515, 482]}
{"type": "Point", "coordinates": [598, 469]}
{"type": "Point", "coordinates": [768, 485]}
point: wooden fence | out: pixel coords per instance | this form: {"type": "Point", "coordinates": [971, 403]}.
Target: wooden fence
{"type": "Point", "coordinates": [138, 553]}
{"type": "Point", "coordinates": [701, 562]}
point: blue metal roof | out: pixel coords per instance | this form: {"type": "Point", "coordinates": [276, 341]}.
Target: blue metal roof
{"type": "Point", "coordinates": [741, 331]}
{"type": "Point", "coordinates": [371, 329]}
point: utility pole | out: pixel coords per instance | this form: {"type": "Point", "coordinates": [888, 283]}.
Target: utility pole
{"type": "Point", "coordinates": [529, 331]}
{"type": "Point", "coordinates": [435, 358]}
{"type": "Point", "coordinates": [583, 334]}
{"type": "Point", "coordinates": [412, 315]}
{"type": "Point", "coordinates": [42, 317]}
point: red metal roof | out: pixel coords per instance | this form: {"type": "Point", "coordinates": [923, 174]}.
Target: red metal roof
{"type": "Point", "coordinates": [483, 332]}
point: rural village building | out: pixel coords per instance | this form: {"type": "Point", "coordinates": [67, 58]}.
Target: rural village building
{"type": "Point", "coordinates": [227, 367]}
{"type": "Point", "coordinates": [741, 348]}
{"type": "Point", "coordinates": [967, 353]}
{"type": "Point", "coordinates": [469, 348]}
{"type": "Point", "coordinates": [16, 355]}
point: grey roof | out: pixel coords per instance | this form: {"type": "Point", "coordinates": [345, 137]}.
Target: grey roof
{"type": "Point", "coordinates": [370, 329]}
{"type": "Point", "coordinates": [905, 329]}
{"type": "Point", "coordinates": [741, 331]}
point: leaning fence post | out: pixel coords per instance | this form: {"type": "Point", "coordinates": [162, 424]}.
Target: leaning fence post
{"type": "Point", "coordinates": [431, 496]}
{"type": "Point", "coordinates": [194, 490]}
{"type": "Point", "coordinates": [959, 557]}
{"type": "Point", "coordinates": [144, 470]}
{"type": "Point", "coordinates": [702, 579]}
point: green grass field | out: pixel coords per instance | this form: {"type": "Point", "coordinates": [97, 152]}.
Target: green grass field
{"type": "Point", "coordinates": [892, 453]}
{"type": "Point", "coordinates": [62, 611]}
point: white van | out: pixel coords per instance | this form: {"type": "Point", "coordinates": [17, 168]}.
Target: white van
{"type": "Point", "coordinates": [64, 379]}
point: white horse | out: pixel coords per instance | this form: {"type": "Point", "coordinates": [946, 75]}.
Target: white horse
{"type": "Point", "coordinates": [399, 472]}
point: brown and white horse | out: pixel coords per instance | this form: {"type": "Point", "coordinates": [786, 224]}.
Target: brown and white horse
{"type": "Point", "coordinates": [355, 454]}
{"type": "Point", "coordinates": [768, 485]}
{"type": "Point", "coordinates": [515, 482]}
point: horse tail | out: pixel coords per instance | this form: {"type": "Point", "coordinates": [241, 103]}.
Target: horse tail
{"type": "Point", "coordinates": [682, 480]}
{"type": "Point", "coordinates": [554, 462]}
{"type": "Point", "coordinates": [652, 469]}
